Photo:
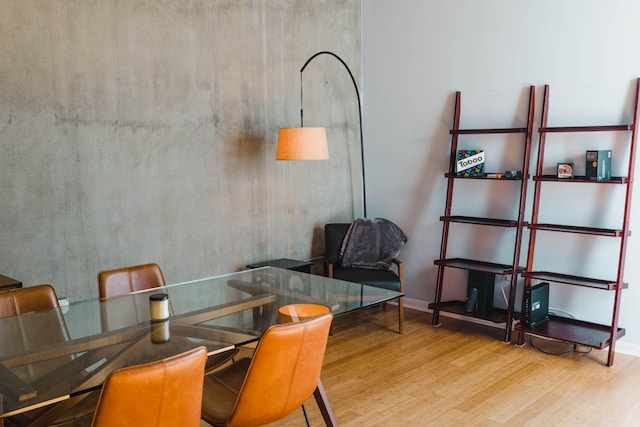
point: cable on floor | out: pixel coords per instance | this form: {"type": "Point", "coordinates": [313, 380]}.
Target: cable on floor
{"type": "Point", "coordinates": [572, 348]}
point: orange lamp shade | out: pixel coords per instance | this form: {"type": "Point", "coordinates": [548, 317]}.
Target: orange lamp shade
{"type": "Point", "coordinates": [303, 143]}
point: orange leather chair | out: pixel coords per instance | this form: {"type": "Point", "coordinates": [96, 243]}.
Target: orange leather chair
{"type": "Point", "coordinates": [283, 373]}
{"type": "Point", "coordinates": [40, 298]}
{"type": "Point", "coordinates": [122, 281]}
{"type": "Point", "coordinates": [166, 393]}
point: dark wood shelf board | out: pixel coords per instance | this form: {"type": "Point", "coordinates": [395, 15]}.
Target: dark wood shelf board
{"type": "Point", "coordinates": [607, 285]}
{"type": "Point", "coordinates": [469, 264]}
{"type": "Point", "coordinates": [486, 131]}
{"type": "Point", "coordinates": [7, 283]}
{"type": "Point", "coordinates": [593, 231]}
{"type": "Point", "coordinates": [457, 307]}
{"type": "Point", "coordinates": [504, 178]}
{"type": "Point", "coordinates": [580, 179]}
{"type": "Point", "coordinates": [609, 128]}
{"type": "Point", "coordinates": [573, 331]}
{"type": "Point", "coordinates": [480, 221]}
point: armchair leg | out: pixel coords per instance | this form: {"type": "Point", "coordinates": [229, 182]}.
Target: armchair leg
{"type": "Point", "coordinates": [400, 315]}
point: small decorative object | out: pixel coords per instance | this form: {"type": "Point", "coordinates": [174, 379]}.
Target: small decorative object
{"type": "Point", "coordinates": [159, 307]}
{"type": "Point", "coordinates": [598, 165]}
{"type": "Point", "coordinates": [470, 163]}
{"type": "Point", "coordinates": [565, 170]}
{"type": "Point", "coordinates": [512, 174]}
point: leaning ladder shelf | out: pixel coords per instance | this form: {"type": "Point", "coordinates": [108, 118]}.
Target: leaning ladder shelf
{"type": "Point", "coordinates": [572, 330]}
{"type": "Point", "coordinates": [457, 307]}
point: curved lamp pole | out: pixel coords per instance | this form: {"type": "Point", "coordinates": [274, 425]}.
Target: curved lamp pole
{"type": "Point", "coordinates": [285, 150]}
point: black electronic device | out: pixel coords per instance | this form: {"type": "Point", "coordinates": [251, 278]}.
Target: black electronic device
{"type": "Point", "coordinates": [535, 304]}
{"type": "Point", "coordinates": [483, 283]}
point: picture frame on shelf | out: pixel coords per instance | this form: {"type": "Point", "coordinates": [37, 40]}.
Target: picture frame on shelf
{"type": "Point", "coordinates": [565, 171]}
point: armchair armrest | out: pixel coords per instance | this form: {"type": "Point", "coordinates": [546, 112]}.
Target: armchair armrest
{"type": "Point", "coordinates": [329, 269]}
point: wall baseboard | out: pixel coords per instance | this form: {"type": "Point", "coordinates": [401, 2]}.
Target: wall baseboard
{"type": "Point", "coordinates": [628, 348]}
{"type": "Point", "coordinates": [420, 305]}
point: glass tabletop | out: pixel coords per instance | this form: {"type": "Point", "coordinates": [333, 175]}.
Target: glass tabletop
{"type": "Point", "coordinates": [51, 355]}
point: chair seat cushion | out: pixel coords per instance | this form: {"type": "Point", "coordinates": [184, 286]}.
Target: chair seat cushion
{"type": "Point", "coordinates": [216, 360]}
{"type": "Point", "coordinates": [221, 391]}
{"type": "Point", "coordinates": [385, 279]}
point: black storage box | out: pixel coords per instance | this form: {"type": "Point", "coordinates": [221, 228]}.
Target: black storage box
{"type": "Point", "coordinates": [598, 165]}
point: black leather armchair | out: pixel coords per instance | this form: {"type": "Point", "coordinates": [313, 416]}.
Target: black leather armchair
{"type": "Point", "coordinates": [334, 235]}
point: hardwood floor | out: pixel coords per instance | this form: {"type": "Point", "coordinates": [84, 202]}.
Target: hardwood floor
{"type": "Point", "coordinates": [461, 374]}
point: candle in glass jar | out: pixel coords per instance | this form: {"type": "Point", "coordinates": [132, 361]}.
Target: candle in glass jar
{"type": "Point", "coordinates": [159, 307]}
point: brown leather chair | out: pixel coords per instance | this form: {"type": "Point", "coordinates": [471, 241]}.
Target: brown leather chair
{"type": "Point", "coordinates": [24, 300]}
{"type": "Point", "coordinates": [125, 280]}
{"type": "Point", "coordinates": [166, 393]}
{"type": "Point", "coordinates": [122, 281]}
{"type": "Point", "coordinates": [283, 373]}
{"type": "Point", "coordinates": [19, 301]}
{"type": "Point", "coordinates": [334, 235]}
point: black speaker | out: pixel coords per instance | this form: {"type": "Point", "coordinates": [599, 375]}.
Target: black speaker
{"type": "Point", "coordinates": [472, 300]}
{"type": "Point", "coordinates": [535, 304]}
{"type": "Point", "coordinates": [484, 285]}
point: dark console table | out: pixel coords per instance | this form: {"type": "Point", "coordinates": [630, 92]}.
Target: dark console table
{"type": "Point", "coordinates": [286, 263]}
{"type": "Point", "coordinates": [7, 283]}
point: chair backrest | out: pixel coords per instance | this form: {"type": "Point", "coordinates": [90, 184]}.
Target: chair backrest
{"type": "Point", "coordinates": [334, 235]}
{"type": "Point", "coordinates": [24, 300]}
{"type": "Point", "coordinates": [122, 281]}
{"type": "Point", "coordinates": [30, 333]}
{"type": "Point", "coordinates": [163, 393]}
{"type": "Point", "coordinates": [284, 371]}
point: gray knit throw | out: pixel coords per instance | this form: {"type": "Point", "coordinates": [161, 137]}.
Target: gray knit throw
{"type": "Point", "coordinates": [372, 243]}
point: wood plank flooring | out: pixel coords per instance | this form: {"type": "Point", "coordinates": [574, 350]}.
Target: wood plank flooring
{"type": "Point", "coordinates": [461, 374]}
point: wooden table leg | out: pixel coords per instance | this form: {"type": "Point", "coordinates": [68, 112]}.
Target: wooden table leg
{"type": "Point", "coordinates": [323, 403]}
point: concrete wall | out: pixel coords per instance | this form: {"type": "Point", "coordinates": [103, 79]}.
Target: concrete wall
{"type": "Point", "coordinates": [145, 131]}
{"type": "Point", "coordinates": [418, 53]}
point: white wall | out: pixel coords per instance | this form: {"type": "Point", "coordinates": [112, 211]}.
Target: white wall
{"type": "Point", "coordinates": [417, 53]}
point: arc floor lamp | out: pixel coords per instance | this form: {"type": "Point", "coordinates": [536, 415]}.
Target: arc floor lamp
{"type": "Point", "coordinates": [310, 143]}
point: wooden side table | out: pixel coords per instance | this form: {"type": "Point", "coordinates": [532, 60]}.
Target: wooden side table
{"type": "Point", "coordinates": [297, 283]}
{"type": "Point", "coordinates": [7, 283]}
{"type": "Point", "coordinates": [286, 263]}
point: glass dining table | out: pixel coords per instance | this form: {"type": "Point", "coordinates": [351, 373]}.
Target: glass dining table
{"type": "Point", "coordinates": [49, 356]}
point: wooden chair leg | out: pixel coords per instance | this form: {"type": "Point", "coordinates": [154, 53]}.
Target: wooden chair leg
{"type": "Point", "coordinates": [400, 315]}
